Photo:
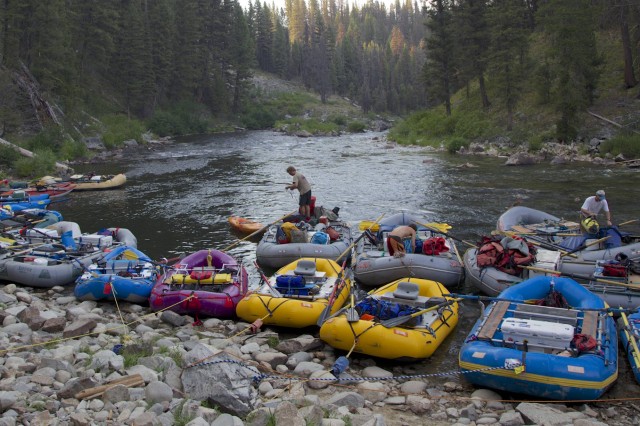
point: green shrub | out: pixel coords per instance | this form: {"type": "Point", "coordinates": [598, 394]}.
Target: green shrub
{"type": "Point", "coordinates": [356, 127]}
{"type": "Point", "coordinates": [43, 163]}
{"type": "Point", "coordinates": [51, 138]}
{"type": "Point", "coordinates": [120, 128]}
{"type": "Point", "coordinates": [72, 149]}
{"type": "Point", "coordinates": [627, 145]}
{"type": "Point", "coordinates": [8, 156]}
{"type": "Point", "coordinates": [535, 143]}
{"type": "Point", "coordinates": [340, 120]}
{"type": "Point", "coordinates": [259, 116]}
{"type": "Point", "coordinates": [182, 119]}
{"type": "Point", "coordinates": [454, 144]}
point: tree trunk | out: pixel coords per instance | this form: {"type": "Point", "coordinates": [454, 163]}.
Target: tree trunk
{"type": "Point", "coordinates": [483, 92]}
{"type": "Point", "coordinates": [629, 77]}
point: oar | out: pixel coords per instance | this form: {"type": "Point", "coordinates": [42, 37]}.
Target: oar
{"type": "Point", "coordinates": [325, 312]}
{"type": "Point", "coordinates": [394, 322]}
{"type": "Point", "coordinates": [352, 314]}
{"type": "Point", "coordinates": [582, 277]}
{"type": "Point", "coordinates": [257, 232]}
{"type": "Point", "coordinates": [585, 245]}
{"type": "Point", "coordinates": [628, 222]}
{"type": "Point", "coordinates": [436, 230]}
{"type": "Point", "coordinates": [358, 239]}
{"type": "Point", "coordinates": [274, 292]}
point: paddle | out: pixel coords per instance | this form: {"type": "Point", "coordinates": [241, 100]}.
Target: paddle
{"type": "Point", "coordinates": [582, 277]}
{"type": "Point", "coordinates": [628, 222]}
{"type": "Point", "coordinates": [367, 224]}
{"type": "Point", "coordinates": [352, 314]}
{"type": "Point", "coordinates": [394, 322]}
{"type": "Point", "coordinates": [358, 239]}
{"type": "Point", "coordinates": [257, 232]}
{"type": "Point", "coordinates": [585, 245]}
{"type": "Point", "coordinates": [274, 292]}
{"type": "Point", "coordinates": [325, 312]}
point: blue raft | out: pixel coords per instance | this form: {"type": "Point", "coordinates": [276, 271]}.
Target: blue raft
{"type": "Point", "coordinates": [124, 274]}
{"type": "Point", "coordinates": [630, 337]}
{"type": "Point", "coordinates": [525, 344]}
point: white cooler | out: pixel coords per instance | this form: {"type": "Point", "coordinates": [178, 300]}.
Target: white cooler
{"type": "Point", "coordinates": [100, 241]}
{"type": "Point", "coordinates": [539, 335]}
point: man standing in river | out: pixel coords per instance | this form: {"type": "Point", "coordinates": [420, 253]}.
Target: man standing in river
{"type": "Point", "coordinates": [304, 188]}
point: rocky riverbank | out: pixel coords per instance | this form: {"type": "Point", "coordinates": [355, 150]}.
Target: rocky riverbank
{"type": "Point", "coordinates": [65, 362]}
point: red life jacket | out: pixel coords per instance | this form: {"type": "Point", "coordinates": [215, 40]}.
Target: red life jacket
{"type": "Point", "coordinates": [492, 253]}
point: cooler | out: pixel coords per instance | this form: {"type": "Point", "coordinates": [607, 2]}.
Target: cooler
{"type": "Point", "coordinates": [540, 335]}
{"type": "Point", "coordinates": [100, 241]}
{"type": "Point", "coordinates": [42, 233]}
{"type": "Point", "coordinates": [545, 259]}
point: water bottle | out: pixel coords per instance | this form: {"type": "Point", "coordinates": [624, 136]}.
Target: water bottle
{"type": "Point", "coordinates": [339, 366]}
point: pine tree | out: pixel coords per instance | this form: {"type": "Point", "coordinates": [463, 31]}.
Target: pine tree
{"type": "Point", "coordinates": [438, 70]}
{"type": "Point", "coordinates": [573, 58]}
{"type": "Point", "coordinates": [508, 48]}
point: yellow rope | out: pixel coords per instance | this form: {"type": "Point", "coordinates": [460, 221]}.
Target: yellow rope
{"type": "Point", "coordinates": [125, 338]}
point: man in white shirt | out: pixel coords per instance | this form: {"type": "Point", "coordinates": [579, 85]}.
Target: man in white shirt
{"type": "Point", "coordinates": [304, 187]}
{"type": "Point", "coordinates": [592, 206]}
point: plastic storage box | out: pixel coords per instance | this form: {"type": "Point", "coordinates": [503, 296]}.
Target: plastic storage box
{"type": "Point", "coordinates": [100, 241]}
{"type": "Point", "coordinates": [540, 335]}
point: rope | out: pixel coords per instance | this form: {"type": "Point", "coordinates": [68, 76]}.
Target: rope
{"type": "Point", "coordinates": [261, 376]}
{"type": "Point", "coordinates": [126, 337]}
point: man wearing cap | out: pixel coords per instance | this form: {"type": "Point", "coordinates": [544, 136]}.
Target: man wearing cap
{"type": "Point", "coordinates": [592, 206]}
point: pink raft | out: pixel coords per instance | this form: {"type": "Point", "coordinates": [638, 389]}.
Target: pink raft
{"type": "Point", "coordinates": [205, 283]}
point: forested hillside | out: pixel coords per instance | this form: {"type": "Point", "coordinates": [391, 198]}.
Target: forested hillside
{"type": "Point", "coordinates": [81, 67]}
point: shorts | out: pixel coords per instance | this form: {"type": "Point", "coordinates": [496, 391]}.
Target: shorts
{"type": "Point", "coordinates": [305, 199]}
{"type": "Point", "coordinates": [397, 244]}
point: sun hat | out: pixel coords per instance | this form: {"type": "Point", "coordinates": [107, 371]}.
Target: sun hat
{"type": "Point", "coordinates": [600, 194]}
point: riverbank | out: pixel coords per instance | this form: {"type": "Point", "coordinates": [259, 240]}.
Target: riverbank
{"type": "Point", "coordinates": [64, 362]}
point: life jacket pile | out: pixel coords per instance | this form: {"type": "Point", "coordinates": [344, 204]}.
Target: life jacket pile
{"type": "Point", "coordinates": [493, 251]}
{"type": "Point", "coordinates": [434, 246]}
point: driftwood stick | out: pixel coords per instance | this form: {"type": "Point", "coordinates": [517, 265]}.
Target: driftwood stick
{"type": "Point", "coordinates": [128, 381]}
{"type": "Point", "coordinates": [612, 122]}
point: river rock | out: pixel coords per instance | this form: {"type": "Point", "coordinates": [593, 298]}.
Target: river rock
{"type": "Point", "coordinates": [225, 383]}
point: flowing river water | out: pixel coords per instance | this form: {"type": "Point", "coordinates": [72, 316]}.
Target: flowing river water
{"type": "Point", "coordinates": [178, 197]}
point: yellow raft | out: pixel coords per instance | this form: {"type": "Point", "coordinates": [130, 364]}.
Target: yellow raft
{"type": "Point", "coordinates": [410, 336]}
{"type": "Point", "coordinates": [297, 294]}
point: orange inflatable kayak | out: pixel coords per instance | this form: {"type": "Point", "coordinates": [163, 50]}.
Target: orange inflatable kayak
{"type": "Point", "coordinates": [243, 225]}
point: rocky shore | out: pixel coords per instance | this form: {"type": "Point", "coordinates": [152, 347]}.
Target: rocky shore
{"type": "Point", "coordinates": [65, 362]}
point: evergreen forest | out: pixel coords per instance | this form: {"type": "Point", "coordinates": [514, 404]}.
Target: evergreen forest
{"type": "Point", "coordinates": [177, 66]}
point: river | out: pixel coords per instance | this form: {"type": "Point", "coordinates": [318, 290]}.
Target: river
{"type": "Point", "coordinates": [178, 196]}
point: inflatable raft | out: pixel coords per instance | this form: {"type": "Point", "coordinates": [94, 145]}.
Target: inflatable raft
{"type": "Point", "coordinates": [297, 294]}
{"type": "Point", "coordinates": [274, 254]}
{"type": "Point", "coordinates": [407, 319]}
{"type": "Point", "coordinates": [374, 266]}
{"type": "Point", "coordinates": [124, 274]}
{"type": "Point", "coordinates": [205, 283]}
{"type": "Point", "coordinates": [563, 346]}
